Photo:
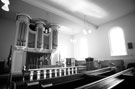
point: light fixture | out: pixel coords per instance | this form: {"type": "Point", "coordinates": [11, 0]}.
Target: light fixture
{"type": "Point", "coordinates": [72, 40]}
{"type": "Point", "coordinates": [89, 31]}
{"type": "Point", "coordinates": [86, 29]}
{"type": "Point", "coordinates": [6, 4]}
{"type": "Point", "coordinates": [85, 32]}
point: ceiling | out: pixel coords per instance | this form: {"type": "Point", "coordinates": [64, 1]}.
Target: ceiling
{"type": "Point", "coordinates": [57, 11]}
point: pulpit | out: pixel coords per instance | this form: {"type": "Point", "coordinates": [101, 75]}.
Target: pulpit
{"type": "Point", "coordinates": [90, 64]}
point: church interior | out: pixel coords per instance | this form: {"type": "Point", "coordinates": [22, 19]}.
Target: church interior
{"type": "Point", "coordinates": [68, 44]}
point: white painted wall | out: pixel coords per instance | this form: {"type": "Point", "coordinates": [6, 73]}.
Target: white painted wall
{"type": "Point", "coordinates": [98, 40]}
{"type": "Point", "coordinates": [7, 36]}
{"type": "Point", "coordinates": [65, 48]}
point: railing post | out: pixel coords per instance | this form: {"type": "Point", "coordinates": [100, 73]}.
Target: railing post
{"type": "Point", "coordinates": [68, 71]}
{"type": "Point", "coordinates": [64, 71]}
{"type": "Point", "coordinates": [72, 70]}
{"type": "Point", "coordinates": [44, 74]}
{"type": "Point", "coordinates": [50, 73]}
{"type": "Point", "coordinates": [55, 72]}
{"type": "Point", "coordinates": [75, 70]}
{"type": "Point", "coordinates": [60, 72]}
{"type": "Point", "coordinates": [31, 75]}
{"type": "Point", "coordinates": [38, 74]}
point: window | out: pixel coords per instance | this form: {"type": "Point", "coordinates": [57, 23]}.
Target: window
{"type": "Point", "coordinates": [83, 48]}
{"type": "Point", "coordinates": [62, 50]}
{"type": "Point", "coordinates": [117, 42]}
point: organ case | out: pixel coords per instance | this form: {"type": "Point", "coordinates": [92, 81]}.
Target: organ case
{"type": "Point", "coordinates": [33, 37]}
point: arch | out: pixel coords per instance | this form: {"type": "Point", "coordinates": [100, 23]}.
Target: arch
{"type": "Point", "coordinates": [83, 48]}
{"type": "Point", "coordinates": [117, 41]}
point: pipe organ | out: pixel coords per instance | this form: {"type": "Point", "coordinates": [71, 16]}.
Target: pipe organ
{"type": "Point", "coordinates": [35, 41]}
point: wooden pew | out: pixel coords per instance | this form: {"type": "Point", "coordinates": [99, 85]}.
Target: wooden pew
{"type": "Point", "coordinates": [102, 71]}
{"type": "Point", "coordinates": [107, 82]}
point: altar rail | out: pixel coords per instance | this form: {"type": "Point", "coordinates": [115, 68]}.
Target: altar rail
{"type": "Point", "coordinates": [44, 73]}
{"type": "Point", "coordinates": [34, 78]}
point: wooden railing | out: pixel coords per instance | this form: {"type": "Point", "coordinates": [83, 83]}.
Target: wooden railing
{"type": "Point", "coordinates": [53, 72]}
{"type": "Point", "coordinates": [54, 76]}
{"type": "Point", "coordinates": [44, 73]}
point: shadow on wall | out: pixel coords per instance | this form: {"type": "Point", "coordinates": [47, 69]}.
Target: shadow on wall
{"type": "Point", "coordinates": [7, 35]}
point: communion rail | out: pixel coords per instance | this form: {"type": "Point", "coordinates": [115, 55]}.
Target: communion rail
{"type": "Point", "coordinates": [44, 73]}
{"type": "Point", "coordinates": [55, 77]}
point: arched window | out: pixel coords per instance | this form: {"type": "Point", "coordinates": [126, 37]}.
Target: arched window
{"type": "Point", "coordinates": [83, 48]}
{"type": "Point", "coordinates": [117, 42]}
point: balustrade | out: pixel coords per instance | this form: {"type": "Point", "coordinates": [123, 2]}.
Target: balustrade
{"type": "Point", "coordinates": [45, 73]}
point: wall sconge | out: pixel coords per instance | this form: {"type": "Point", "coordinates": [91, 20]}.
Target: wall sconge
{"type": "Point", "coordinates": [5, 6]}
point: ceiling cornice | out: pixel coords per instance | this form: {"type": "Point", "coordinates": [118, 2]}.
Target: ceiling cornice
{"type": "Point", "coordinates": [121, 17]}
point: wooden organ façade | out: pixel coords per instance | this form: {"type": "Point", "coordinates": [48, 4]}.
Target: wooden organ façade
{"type": "Point", "coordinates": [35, 41]}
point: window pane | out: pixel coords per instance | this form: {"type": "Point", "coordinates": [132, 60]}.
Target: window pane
{"type": "Point", "coordinates": [117, 42]}
{"type": "Point", "coordinates": [83, 48]}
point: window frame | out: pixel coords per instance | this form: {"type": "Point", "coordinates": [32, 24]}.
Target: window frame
{"type": "Point", "coordinates": [83, 54]}
{"type": "Point", "coordinates": [110, 42]}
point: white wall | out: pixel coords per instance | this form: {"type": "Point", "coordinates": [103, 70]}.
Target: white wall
{"type": "Point", "coordinates": [65, 48]}
{"type": "Point", "coordinates": [98, 41]}
{"type": "Point", "coordinates": [7, 36]}
{"type": "Point", "coordinates": [127, 24]}
{"type": "Point", "coordinates": [65, 41]}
